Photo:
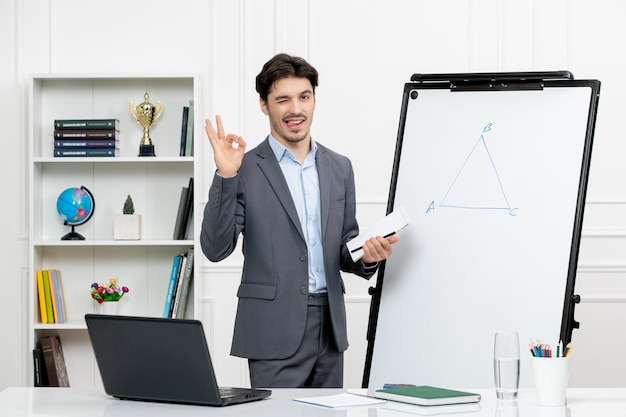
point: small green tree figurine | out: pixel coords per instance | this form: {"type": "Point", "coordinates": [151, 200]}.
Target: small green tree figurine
{"type": "Point", "coordinates": [127, 226]}
{"type": "Point", "coordinates": [129, 207]}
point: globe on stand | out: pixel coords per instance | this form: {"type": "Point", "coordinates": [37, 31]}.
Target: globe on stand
{"type": "Point", "coordinates": [75, 206]}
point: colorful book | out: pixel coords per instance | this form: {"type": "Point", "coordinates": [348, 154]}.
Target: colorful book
{"type": "Point", "coordinates": [189, 138]}
{"type": "Point", "coordinates": [62, 293]}
{"type": "Point", "coordinates": [98, 124]}
{"type": "Point", "coordinates": [43, 309]}
{"type": "Point", "coordinates": [188, 212]}
{"type": "Point", "coordinates": [87, 134]}
{"type": "Point", "coordinates": [181, 212]}
{"type": "Point", "coordinates": [54, 361]}
{"type": "Point", "coordinates": [59, 303]}
{"type": "Point", "coordinates": [171, 286]}
{"type": "Point", "coordinates": [40, 376]}
{"type": "Point", "coordinates": [179, 283]}
{"type": "Point", "coordinates": [46, 289]}
{"type": "Point", "coordinates": [53, 296]}
{"type": "Point", "coordinates": [91, 152]}
{"type": "Point", "coordinates": [183, 131]}
{"type": "Point", "coordinates": [85, 143]}
{"type": "Point", "coordinates": [426, 395]}
{"type": "Point", "coordinates": [179, 225]}
{"type": "Point", "coordinates": [183, 293]}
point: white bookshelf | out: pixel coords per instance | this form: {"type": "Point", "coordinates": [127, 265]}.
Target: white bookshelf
{"type": "Point", "coordinates": [153, 182]}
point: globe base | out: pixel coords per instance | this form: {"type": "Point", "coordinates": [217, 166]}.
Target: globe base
{"type": "Point", "coordinates": [73, 235]}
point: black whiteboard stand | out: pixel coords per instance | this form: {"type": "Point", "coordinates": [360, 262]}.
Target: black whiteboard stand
{"type": "Point", "coordinates": [493, 170]}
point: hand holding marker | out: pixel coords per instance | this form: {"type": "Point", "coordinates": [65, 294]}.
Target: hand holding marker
{"type": "Point", "coordinates": [542, 350]}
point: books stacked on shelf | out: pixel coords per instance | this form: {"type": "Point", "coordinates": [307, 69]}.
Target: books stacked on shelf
{"type": "Point", "coordinates": [178, 288]}
{"type": "Point", "coordinates": [50, 363]}
{"type": "Point", "coordinates": [86, 137]}
{"type": "Point", "coordinates": [186, 135]}
{"type": "Point", "coordinates": [51, 298]}
{"type": "Point", "coordinates": [185, 213]}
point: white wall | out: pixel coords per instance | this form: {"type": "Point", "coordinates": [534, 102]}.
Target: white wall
{"type": "Point", "coordinates": [365, 50]}
{"type": "Point", "coordinates": [14, 214]}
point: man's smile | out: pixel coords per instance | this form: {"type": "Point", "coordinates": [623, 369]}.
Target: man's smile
{"type": "Point", "coordinates": [294, 124]}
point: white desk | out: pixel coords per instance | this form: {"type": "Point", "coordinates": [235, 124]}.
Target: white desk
{"type": "Point", "coordinates": [71, 402]}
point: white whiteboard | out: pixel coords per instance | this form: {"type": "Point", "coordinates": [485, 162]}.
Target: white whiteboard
{"type": "Point", "coordinates": [490, 180]}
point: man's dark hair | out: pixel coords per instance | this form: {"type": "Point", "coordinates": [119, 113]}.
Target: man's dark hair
{"type": "Point", "coordinates": [283, 66]}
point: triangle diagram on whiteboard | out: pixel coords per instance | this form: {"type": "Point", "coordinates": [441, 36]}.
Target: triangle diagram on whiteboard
{"type": "Point", "coordinates": [477, 184]}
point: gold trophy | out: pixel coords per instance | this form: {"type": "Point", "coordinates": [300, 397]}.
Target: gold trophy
{"type": "Point", "coordinates": [146, 115]}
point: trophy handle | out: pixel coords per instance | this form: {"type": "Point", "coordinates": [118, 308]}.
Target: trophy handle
{"type": "Point", "coordinates": [158, 109]}
{"type": "Point", "coordinates": [133, 109]}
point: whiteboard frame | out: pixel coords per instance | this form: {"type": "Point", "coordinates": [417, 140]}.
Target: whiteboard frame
{"type": "Point", "coordinates": [494, 82]}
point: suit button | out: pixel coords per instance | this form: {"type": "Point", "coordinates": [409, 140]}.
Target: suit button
{"type": "Point", "coordinates": [303, 257]}
{"type": "Point", "coordinates": [304, 290]}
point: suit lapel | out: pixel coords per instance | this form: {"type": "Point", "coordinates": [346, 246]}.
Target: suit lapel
{"type": "Point", "coordinates": [269, 166]}
{"type": "Point", "coordinates": [324, 174]}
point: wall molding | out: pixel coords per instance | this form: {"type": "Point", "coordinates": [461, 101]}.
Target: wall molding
{"type": "Point", "coordinates": [602, 299]}
{"type": "Point", "coordinates": [207, 315]}
{"type": "Point", "coordinates": [23, 319]}
{"type": "Point", "coordinates": [222, 269]}
{"type": "Point", "coordinates": [605, 200]}
{"type": "Point", "coordinates": [603, 232]}
{"type": "Point", "coordinates": [601, 267]}
{"type": "Point", "coordinates": [357, 299]}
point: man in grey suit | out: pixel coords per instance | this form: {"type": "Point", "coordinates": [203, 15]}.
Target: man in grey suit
{"type": "Point", "coordinates": [293, 200]}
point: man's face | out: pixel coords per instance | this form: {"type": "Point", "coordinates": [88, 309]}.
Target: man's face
{"type": "Point", "coordinates": [290, 105]}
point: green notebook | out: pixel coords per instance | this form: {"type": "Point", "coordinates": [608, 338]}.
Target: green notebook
{"type": "Point", "coordinates": [426, 395]}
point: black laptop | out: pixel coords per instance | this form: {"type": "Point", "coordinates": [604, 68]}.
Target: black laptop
{"type": "Point", "coordinates": [159, 359]}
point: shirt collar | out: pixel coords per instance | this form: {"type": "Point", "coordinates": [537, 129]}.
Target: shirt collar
{"type": "Point", "coordinates": [280, 150]}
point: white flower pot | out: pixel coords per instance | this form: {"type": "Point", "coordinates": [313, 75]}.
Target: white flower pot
{"type": "Point", "coordinates": [127, 227]}
{"type": "Point", "coordinates": [109, 307]}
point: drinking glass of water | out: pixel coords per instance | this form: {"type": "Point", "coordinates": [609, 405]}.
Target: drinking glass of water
{"type": "Point", "coordinates": [506, 365]}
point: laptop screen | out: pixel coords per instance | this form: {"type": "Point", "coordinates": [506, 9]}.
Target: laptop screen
{"type": "Point", "coordinates": [153, 359]}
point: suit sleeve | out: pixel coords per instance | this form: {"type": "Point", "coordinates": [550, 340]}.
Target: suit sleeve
{"type": "Point", "coordinates": [223, 218]}
{"type": "Point", "coordinates": [351, 230]}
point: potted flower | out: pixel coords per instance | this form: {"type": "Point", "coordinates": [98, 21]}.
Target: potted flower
{"type": "Point", "coordinates": [127, 226]}
{"type": "Point", "coordinates": [108, 294]}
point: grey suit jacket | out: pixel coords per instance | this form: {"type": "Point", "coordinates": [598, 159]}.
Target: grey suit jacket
{"type": "Point", "coordinates": [273, 294]}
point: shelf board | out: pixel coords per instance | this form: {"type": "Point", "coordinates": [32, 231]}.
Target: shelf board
{"type": "Point", "coordinates": [69, 325]}
{"type": "Point", "coordinates": [116, 76]}
{"type": "Point", "coordinates": [117, 159]}
{"type": "Point", "coordinates": [140, 242]}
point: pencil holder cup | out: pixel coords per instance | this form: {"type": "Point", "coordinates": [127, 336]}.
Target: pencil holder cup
{"type": "Point", "coordinates": [551, 377]}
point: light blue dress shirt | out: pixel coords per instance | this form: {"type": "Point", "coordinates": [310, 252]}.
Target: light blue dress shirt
{"type": "Point", "coordinates": [303, 183]}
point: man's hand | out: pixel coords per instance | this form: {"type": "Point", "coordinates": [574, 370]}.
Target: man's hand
{"type": "Point", "coordinates": [228, 149]}
{"type": "Point", "coordinates": [378, 248]}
